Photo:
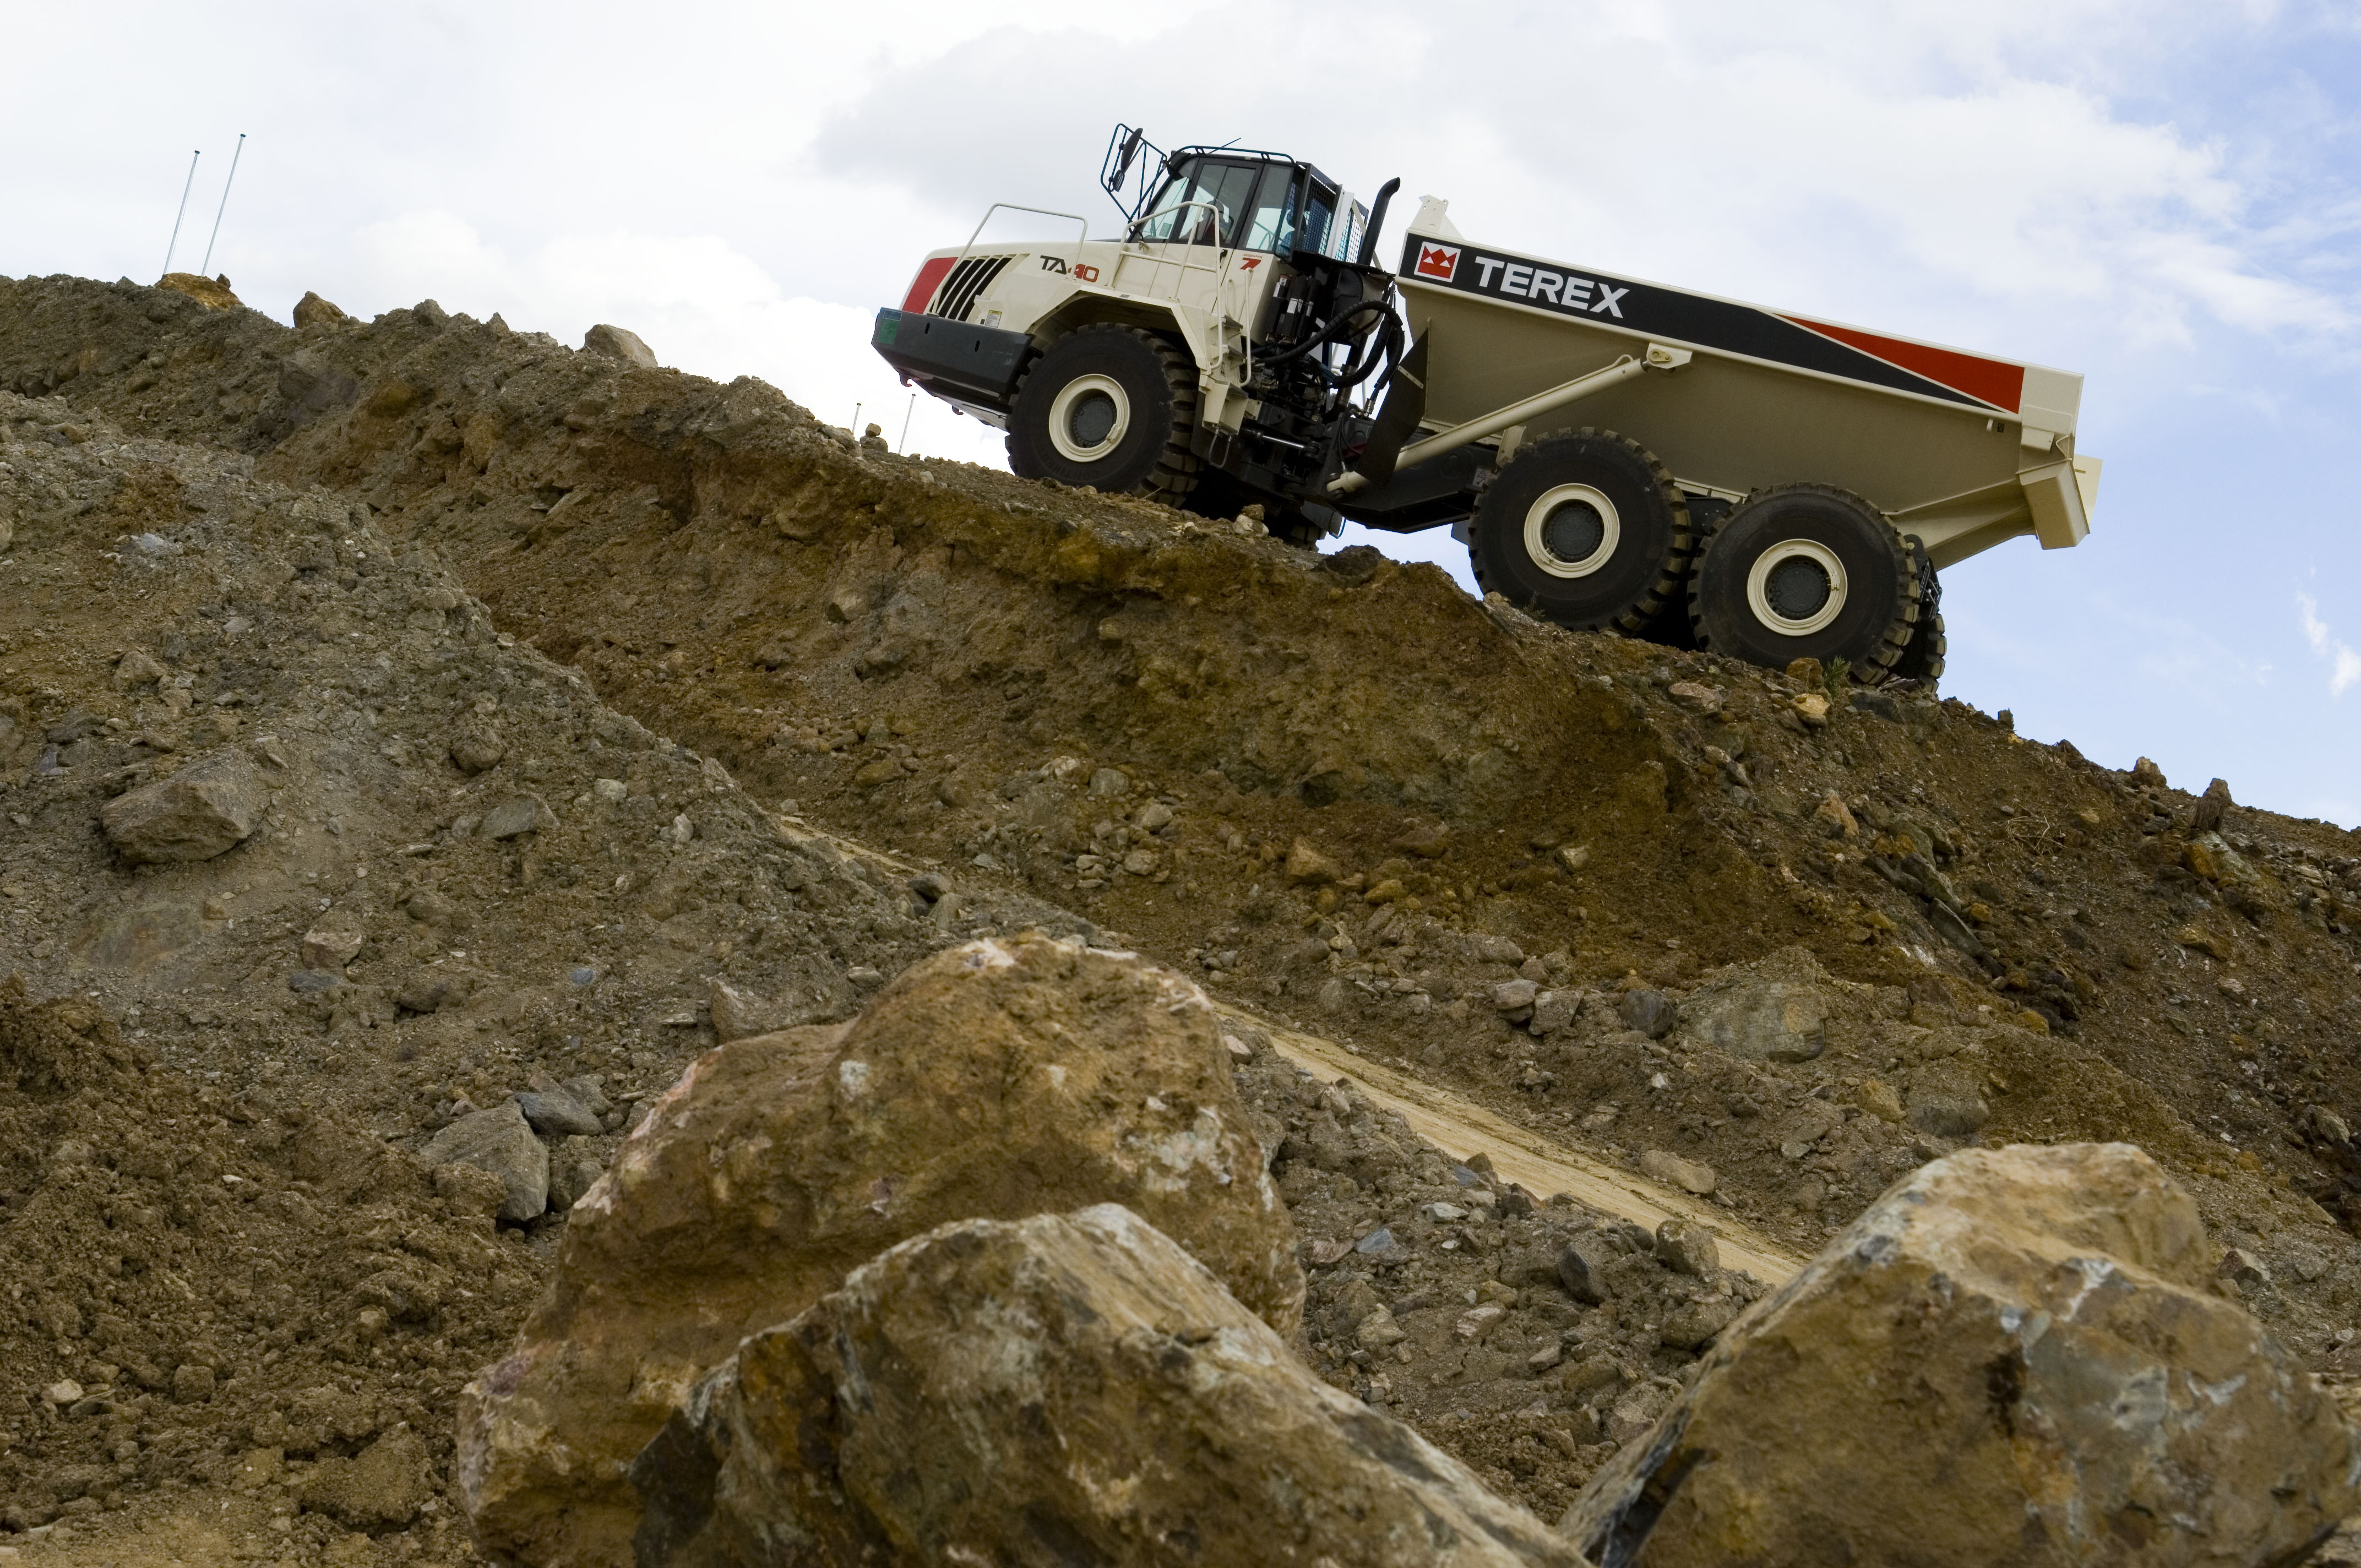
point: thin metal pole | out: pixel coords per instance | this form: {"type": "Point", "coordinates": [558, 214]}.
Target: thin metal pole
{"type": "Point", "coordinates": [856, 421]}
{"type": "Point", "coordinates": [207, 264]}
{"type": "Point", "coordinates": [185, 185]}
{"type": "Point", "coordinates": [903, 447]}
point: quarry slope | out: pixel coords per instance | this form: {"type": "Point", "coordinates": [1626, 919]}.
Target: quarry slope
{"type": "Point", "coordinates": [1359, 805]}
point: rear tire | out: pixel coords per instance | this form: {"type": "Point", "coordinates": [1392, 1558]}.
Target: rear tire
{"type": "Point", "coordinates": [1806, 572]}
{"type": "Point", "coordinates": [1922, 659]}
{"type": "Point", "coordinates": [1109, 407]}
{"type": "Point", "coordinates": [1585, 529]}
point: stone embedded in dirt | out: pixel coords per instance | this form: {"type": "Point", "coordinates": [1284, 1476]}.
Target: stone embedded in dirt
{"type": "Point", "coordinates": [206, 809]}
{"type": "Point", "coordinates": [1685, 1247]}
{"type": "Point", "coordinates": [384, 1486]}
{"type": "Point", "coordinates": [1113, 1405]}
{"type": "Point", "coordinates": [1688, 1175]}
{"type": "Point", "coordinates": [738, 1013]}
{"type": "Point", "coordinates": [1308, 865]}
{"type": "Point", "coordinates": [2145, 772]}
{"type": "Point", "coordinates": [214, 293]}
{"type": "Point", "coordinates": [2212, 806]}
{"type": "Point", "coordinates": [555, 1112]}
{"type": "Point", "coordinates": [138, 669]}
{"type": "Point", "coordinates": [2075, 1390]}
{"type": "Point", "coordinates": [1582, 1267]}
{"type": "Point", "coordinates": [618, 342]}
{"type": "Point", "coordinates": [500, 1142]}
{"type": "Point", "coordinates": [996, 1079]}
{"type": "Point", "coordinates": [313, 310]}
{"type": "Point", "coordinates": [1649, 1011]}
{"type": "Point", "coordinates": [331, 945]}
{"type": "Point", "coordinates": [1774, 1009]}
{"type": "Point", "coordinates": [517, 815]}
{"type": "Point", "coordinates": [475, 748]}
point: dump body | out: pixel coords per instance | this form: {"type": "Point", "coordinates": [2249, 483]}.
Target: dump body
{"type": "Point", "coordinates": [1962, 450]}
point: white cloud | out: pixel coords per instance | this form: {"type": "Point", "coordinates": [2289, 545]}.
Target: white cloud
{"type": "Point", "coordinates": [701, 305]}
{"type": "Point", "coordinates": [2345, 665]}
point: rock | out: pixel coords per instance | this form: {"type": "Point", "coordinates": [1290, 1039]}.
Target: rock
{"type": "Point", "coordinates": [1774, 1009]}
{"type": "Point", "coordinates": [1652, 1013]}
{"type": "Point", "coordinates": [137, 669]}
{"type": "Point", "coordinates": [1812, 708]}
{"type": "Point", "coordinates": [1947, 1098]}
{"type": "Point", "coordinates": [1805, 671]}
{"type": "Point", "coordinates": [1582, 1267]}
{"type": "Point", "coordinates": [499, 1141]}
{"type": "Point", "coordinates": [475, 748]}
{"type": "Point", "coordinates": [2239, 1265]}
{"type": "Point", "coordinates": [2076, 1393]}
{"type": "Point", "coordinates": [738, 1015]}
{"type": "Point", "coordinates": [1515, 995]}
{"type": "Point", "coordinates": [618, 342]}
{"type": "Point", "coordinates": [433, 990]}
{"type": "Point", "coordinates": [1115, 1406]}
{"type": "Point", "coordinates": [555, 1113]}
{"type": "Point", "coordinates": [1552, 1011]}
{"type": "Point", "coordinates": [1837, 816]}
{"type": "Point", "coordinates": [1306, 864]}
{"type": "Point", "coordinates": [573, 1171]}
{"type": "Point", "coordinates": [1573, 856]}
{"type": "Point", "coordinates": [2212, 806]}
{"type": "Point", "coordinates": [517, 815]}
{"type": "Point", "coordinates": [214, 293]}
{"type": "Point", "coordinates": [995, 1079]}
{"type": "Point", "coordinates": [331, 945]}
{"type": "Point", "coordinates": [206, 809]}
{"type": "Point", "coordinates": [64, 1391]}
{"type": "Point", "coordinates": [1688, 1175]}
{"type": "Point", "coordinates": [313, 310]}
{"type": "Point", "coordinates": [192, 1383]}
{"type": "Point", "coordinates": [384, 1486]}
{"type": "Point", "coordinates": [1687, 1247]}
{"type": "Point", "coordinates": [1695, 1323]}
{"type": "Point", "coordinates": [2148, 773]}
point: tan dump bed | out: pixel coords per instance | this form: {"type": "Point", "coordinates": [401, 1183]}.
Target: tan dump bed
{"type": "Point", "coordinates": [1962, 450]}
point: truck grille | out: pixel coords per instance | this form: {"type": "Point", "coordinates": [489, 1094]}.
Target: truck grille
{"type": "Point", "coordinates": [968, 279]}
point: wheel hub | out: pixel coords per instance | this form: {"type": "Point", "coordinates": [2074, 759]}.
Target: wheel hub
{"type": "Point", "coordinates": [1089, 418]}
{"type": "Point", "coordinates": [1796, 587]}
{"type": "Point", "coordinates": [1571, 531]}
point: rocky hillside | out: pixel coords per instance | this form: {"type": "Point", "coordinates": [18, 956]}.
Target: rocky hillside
{"type": "Point", "coordinates": [571, 714]}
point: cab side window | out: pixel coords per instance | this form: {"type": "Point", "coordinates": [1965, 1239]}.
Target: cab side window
{"type": "Point", "coordinates": [1272, 227]}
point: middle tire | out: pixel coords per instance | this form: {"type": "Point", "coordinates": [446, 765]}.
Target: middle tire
{"type": "Point", "coordinates": [1806, 572]}
{"type": "Point", "coordinates": [1585, 529]}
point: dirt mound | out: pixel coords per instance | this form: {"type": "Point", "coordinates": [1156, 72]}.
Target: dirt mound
{"type": "Point", "coordinates": [204, 1289]}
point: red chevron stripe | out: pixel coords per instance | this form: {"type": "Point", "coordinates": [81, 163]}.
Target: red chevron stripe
{"type": "Point", "coordinates": [1995, 381]}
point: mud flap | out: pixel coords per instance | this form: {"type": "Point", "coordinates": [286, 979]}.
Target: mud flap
{"type": "Point", "coordinates": [1398, 416]}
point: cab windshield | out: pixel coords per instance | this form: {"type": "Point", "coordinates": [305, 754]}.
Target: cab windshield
{"type": "Point", "coordinates": [1227, 202]}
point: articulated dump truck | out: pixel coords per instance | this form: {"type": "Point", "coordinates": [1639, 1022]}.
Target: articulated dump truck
{"type": "Point", "coordinates": [1616, 455]}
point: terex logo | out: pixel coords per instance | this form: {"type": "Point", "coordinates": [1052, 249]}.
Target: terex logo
{"type": "Point", "coordinates": [1438, 261]}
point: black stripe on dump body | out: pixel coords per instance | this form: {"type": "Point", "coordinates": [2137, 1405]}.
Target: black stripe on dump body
{"type": "Point", "coordinates": [1668, 313]}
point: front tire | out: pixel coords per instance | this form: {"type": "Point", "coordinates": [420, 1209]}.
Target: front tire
{"type": "Point", "coordinates": [1109, 407]}
{"type": "Point", "coordinates": [1585, 529]}
{"type": "Point", "coordinates": [1806, 572]}
{"type": "Point", "coordinates": [1922, 659]}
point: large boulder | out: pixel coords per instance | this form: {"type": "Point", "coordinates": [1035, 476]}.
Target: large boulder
{"type": "Point", "coordinates": [206, 809]}
{"type": "Point", "coordinates": [997, 1080]}
{"type": "Point", "coordinates": [1066, 1388]}
{"type": "Point", "coordinates": [2014, 1357]}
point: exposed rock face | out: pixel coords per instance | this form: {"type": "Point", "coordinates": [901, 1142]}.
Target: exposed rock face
{"type": "Point", "coordinates": [206, 809]}
{"type": "Point", "coordinates": [2014, 1355]}
{"type": "Point", "coordinates": [994, 1080]}
{"type": "Point", "coordinates": [1066, 1388]}
{"type": "Point", "coordinates": [618, 342]}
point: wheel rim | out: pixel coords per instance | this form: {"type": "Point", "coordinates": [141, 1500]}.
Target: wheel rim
{"type": "Point", "coordinates": [1796, 586]}
{"type": "Point", "coordinates": [1089, 418]}
{"type": "Point", "coordinates": [1571, 531]}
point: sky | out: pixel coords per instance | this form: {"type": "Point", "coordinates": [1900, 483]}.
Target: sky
{"type": "Point", "coordinates": [2160, 196]}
